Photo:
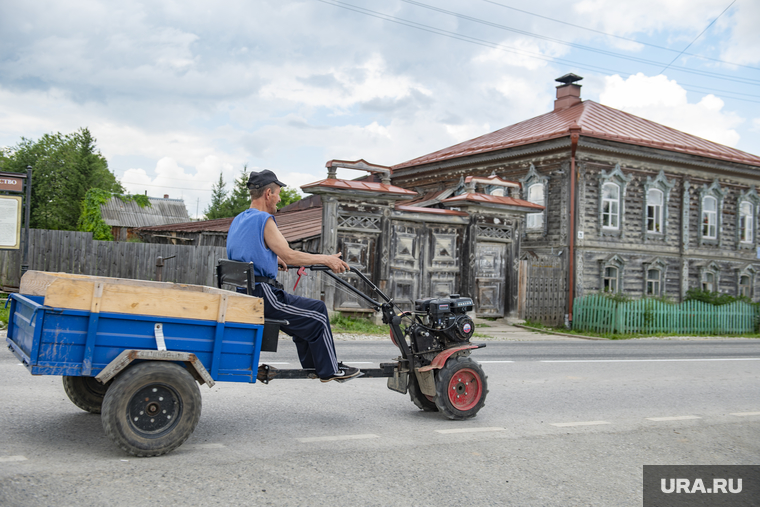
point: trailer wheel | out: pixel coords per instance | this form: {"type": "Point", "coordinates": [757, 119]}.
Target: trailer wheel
{"type": "Point", "coordinates": [461, 388]}
{"type": "Point", "coordinates": [421, 400]}
{"type": "Point", "coordinates": [151, 408]}
{"type": "Point", "coordinates": [85, 392]}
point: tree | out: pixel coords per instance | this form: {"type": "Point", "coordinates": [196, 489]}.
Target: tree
{"type": "Point", "coordinates": [239, 199]}
{"type": "Point", "coordinates": [64, 168]}
{"type": "Point", "coordinates": [216, 209]}
{"type": "Point", "coordinates": [288, 195]}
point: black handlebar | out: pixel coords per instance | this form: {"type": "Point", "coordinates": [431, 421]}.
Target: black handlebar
{"type": "Point", "coordinates": [377, 305]}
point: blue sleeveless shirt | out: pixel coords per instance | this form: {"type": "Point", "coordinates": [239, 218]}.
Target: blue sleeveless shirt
{"type": "Point", "coordinates": [245, 242]}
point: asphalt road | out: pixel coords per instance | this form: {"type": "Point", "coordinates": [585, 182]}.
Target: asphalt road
{"type": "Point", "coordinates": [565, 423]}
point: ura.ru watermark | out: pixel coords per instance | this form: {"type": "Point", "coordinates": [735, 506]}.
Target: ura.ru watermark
{"type": "Point", "coordinates": [701, 485]}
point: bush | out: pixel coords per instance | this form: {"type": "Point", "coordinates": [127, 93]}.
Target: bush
{"type": "Point", "coordinates": [4, 312]}
{"type": "Point", "coordinates": [617, 297]}
{"type": "Point", "coordinates": [714, 298]}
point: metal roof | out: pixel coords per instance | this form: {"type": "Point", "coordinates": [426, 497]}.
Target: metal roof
{"type": "Point", "coordinates": [118, 213]}
{"type": "Point", "coordinates": [432, 211]}
{"type": "Point", "coordinates": [216, 225]}
{"type": "Point", "coordinates": [294, 225]}
{"type": "Point", "coordinates": [300, 225]}
{"type": "Point", "coordinates": [491, 199]}
{"type": "Point", "coordinates": [597, 121]}
{"type": "Point", "coordinates": [365, 186]}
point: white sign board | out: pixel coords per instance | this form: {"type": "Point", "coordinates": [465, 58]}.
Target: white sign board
{"type": "Point", "coordinates": [10, 221]}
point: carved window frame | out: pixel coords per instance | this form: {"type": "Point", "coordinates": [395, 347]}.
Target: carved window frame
{"type": "Point", "coordinates": [710, 269]}
{"type": "Point", "coordinates": [613, 261]}
{"type": "Point", "coordinates": [661, 267]}
{"type": "Point", "coordinates": [535, 178]}
{"type": "Point", "coordinates": [617, 177]}
{"type": "Point", "coordinates": [664, 185]}
{"type": "Point", "coordinates": [747, 197]}
{"type": "Point", "coordinates": [718, 194]}
{"type": "Point", "coordinates": [750, 272]}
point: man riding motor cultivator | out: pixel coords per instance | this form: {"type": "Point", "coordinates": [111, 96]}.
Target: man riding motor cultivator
{"type": "Point", "coordinates": [127, 351]}
{"type": "Point", "coordinates": [434, 340]}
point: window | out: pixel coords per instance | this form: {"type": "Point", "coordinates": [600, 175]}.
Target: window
{"type": "Point", "coordinates": [653, 282]}
{"type": "Point", "coordinates": [610, 206]}
{"type": "Point", "coordinates": [611, 273]}
{"type": "Point", "coordinates": [654, 211]}
{"type": "Point", "coordinates": [610, 279]}
{"type": "Point", "coordinates": [745, 286]}
{"type": "Point", "coordinates": [536, 196]}
{"type": "Point", "coordinates": [745, 223]}
{"type": "Point", "coordinates": [708, 281]}
{"type": "Point", "coordinates": [534, 188]}
{"type": "Point", "coordinates": [612, 189]}
{"type": "Point", "coordinates": [709, 217]}
{"type": "Point", "coordinates": [745, 280]}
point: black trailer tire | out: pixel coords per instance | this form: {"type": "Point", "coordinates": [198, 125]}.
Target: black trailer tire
{"type": "Point", "coordinates": [418, 398]}
{"type": "Point", "coordinates": [461, 387]}
{"type": "Point", "coordinates": [151, 408]}
{"type": "Point", "coordinates": [85, 392]}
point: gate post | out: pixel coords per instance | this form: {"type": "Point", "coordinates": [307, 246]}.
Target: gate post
{"type": "Point", "coordinates": [522, 288]}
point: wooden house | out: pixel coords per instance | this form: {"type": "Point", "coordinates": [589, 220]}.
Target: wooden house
{"type": "Point", "coordinates": [124, 217]}
{"type": "Point", "coordinates": [631, 206]}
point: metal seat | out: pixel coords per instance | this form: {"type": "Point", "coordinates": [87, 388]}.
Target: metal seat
{"type": "Point", "coordinates": [240, 274]}
{"type": "Point", "coordinates": [235, 273]}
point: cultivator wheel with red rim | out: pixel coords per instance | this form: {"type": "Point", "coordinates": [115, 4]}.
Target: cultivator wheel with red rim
{"type": "Point", "coordinates": [461, 387]}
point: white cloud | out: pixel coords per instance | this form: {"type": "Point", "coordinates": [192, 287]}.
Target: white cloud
{"type": "Point", "coordinates": [337, 88]}
{"type": "Point", "coordinates": [523, 52]}
{"type": "Point", "coordinates": [742, 47]}
{"type": "Point", "coordinates": [665, 101]}
{"type": "Point", "coordinates": [646, 16]}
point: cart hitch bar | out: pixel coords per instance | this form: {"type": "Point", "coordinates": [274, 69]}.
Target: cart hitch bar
{"type": "Point", "coordinates": [267, 373]}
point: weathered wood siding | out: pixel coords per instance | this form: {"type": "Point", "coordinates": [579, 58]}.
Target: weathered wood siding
{"type": "Point", "coordinates": [681, 253]}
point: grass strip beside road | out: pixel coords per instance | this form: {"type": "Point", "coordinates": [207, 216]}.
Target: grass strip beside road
{"type": "Point", "coordinates": [591, 335]}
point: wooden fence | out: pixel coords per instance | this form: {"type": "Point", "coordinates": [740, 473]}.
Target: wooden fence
{"type": "Point", "coordinates": [604, 315]}
{"type": "Point", "coordinates": [76, 252]}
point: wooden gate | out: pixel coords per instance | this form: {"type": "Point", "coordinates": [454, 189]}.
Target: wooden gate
{"type": "Point", "coordinates": [542, 291]}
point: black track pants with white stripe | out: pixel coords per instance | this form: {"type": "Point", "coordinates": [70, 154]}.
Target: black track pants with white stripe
{"type": "Point", "coordinates": [309, 326]}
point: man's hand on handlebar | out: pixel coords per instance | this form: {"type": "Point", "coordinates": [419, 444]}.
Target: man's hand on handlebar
{"type": "Point", "coordinates": [328, 262]}
{"type": "Point", "coordinates": [336, 264]}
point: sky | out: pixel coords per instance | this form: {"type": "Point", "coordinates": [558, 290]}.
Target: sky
{"type": "Point", "coordinates": [178, 92]}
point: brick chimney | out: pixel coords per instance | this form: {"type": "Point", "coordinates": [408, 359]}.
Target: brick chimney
{"type": "Point", "coordinates": [568, 93]}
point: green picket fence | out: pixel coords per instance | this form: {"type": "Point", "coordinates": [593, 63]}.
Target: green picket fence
{"type": "Point", "coordinates": [601, 314]}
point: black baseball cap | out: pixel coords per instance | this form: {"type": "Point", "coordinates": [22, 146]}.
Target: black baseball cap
{"type": "Point", "coordinates": [262, 179]}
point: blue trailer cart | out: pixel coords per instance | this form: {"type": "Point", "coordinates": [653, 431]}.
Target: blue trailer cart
{"type": "Point", "coordinates": [135, 351]}
{"type": "Point", "coordinates": [139, 371]}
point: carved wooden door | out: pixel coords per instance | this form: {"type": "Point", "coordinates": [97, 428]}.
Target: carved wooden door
{"type": "Point", "coordinates": [359, 252]}
{"type": "Point", "coordinates": [444, 246]}
{"type": "Point", "coordinates": [405, 263]}
{"type": "Point", "coordinates": [490, 278]}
